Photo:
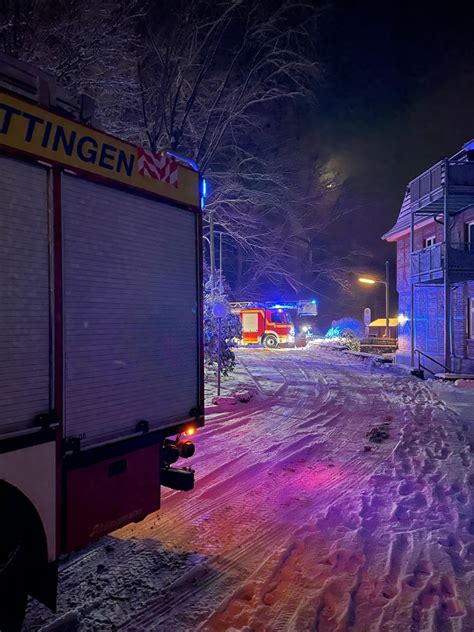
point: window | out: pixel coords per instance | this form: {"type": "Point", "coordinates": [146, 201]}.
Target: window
{"type": "Point", "coordinates": [470, 317]}
{"type": "Point", "coordinates": [278, 317]}
{"type": "Point", "coordinates": [469, 235]}
{"type": "Point", "coordinates": [429, 241]}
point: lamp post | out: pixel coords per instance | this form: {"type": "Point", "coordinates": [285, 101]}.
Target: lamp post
{"type": "Point", "coordinates": [370, 281]}
{"type": "Point", "coordinates": [212, 251]}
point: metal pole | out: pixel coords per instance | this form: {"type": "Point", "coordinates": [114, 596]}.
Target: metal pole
{"type": "Point", "coordinates": [220, 261]}
{"type": "Point", "coordinates": [219, 351]}
{"type": "Point", "coordinates": [453, 346]}
{"type": "Point", "coordinates": [446, 285]}
{"type": "Point", "coordinates": [212, 250]}
{"type": "Point", "coordinates": [387, 303]}
{"type": "Point", "coordinates": [412, 289]}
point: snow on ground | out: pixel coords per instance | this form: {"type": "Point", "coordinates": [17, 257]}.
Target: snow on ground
{"type": "Point", "coordinates": [298, 521]}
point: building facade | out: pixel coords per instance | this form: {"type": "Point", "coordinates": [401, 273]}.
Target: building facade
{"type": "Point", "coordinates": [434, 235]}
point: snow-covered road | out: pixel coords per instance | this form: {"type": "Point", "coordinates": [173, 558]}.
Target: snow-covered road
{"type": "Point", "coordinates": [298, 521]}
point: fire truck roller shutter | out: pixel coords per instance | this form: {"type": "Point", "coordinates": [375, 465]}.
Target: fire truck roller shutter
{"type": "Point", "coordinates": [131, 317]}
{"type": "Point", "coordinates": [24, 295]}
{"type": "Point", "coordinates": [27, 463]}
{"type": "Point", "coordinates": [250, 322]}
{"type": "Point", "coordinates": [25, 345]}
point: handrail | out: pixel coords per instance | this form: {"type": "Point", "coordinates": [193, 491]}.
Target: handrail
{"type": "Point", "coordinates": [466, 246]}
{"type": "Point", "coordinates": [428, 181]}
{"type": "Point", "coordinates": [428, 259]}
{"type": "Point", "coordinates": [433, 258]}
{"type": "Point", "coordinates": [455, 245]}
{"type": "Point", "coordinates": [425, 355]}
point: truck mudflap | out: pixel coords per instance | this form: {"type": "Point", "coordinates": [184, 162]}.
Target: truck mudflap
{"type": "Point", "coordinates": [105, 494]}
{"type": "Point", "coordinates": [180, 479]}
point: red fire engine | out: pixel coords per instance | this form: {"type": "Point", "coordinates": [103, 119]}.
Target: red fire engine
{"type": "Point", "coordinates": [272, 325]}
{"type": "Point", "coordinates": [100, 385]}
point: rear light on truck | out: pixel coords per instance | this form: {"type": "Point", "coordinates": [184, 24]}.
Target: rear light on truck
{"type": "Point", "coordinates": [186, 448]}
{"type": "Point", "coordinates": [190, 431]}
{"type": "Point", "coordinates": [173, 449]}
{"type": "Point", "coordinates": [177, 478]}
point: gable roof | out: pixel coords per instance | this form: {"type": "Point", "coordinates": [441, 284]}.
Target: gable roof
{"type": "Point", "coordinates": [403, 220]}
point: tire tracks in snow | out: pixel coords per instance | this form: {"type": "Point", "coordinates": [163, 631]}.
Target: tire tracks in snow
{"type": "Point", "coordinates": [155, 615]}
{"type": "Point", "coordinates": [292, 526]}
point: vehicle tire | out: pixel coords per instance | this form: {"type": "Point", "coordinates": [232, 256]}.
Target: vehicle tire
{"type": "Point", "coordinates": [270, 342]}
{"type": "Point", "coordinates": [15, 558]}
{"type": "Point", "coordinates": [13, 587]}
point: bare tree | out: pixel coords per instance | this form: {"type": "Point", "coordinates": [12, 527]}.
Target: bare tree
{"type": "Point", "coordinates": [88, 46]}
{"type": "Point", "coordinates": [280, 217]}
{"type": "Point", "coordinates": [211, 66]}
{"type": "Point", "coordinates": [214, 81]}
{"type": "Point", "coordinates": [17, 18]}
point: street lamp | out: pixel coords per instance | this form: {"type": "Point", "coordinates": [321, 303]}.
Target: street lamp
{"type": "Point", "coordinates": [210, 241]}
{"type": "Point", "coordinates": [369, 281]}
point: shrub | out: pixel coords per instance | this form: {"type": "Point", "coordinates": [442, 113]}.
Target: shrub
{"type": "Point", "coordinates": [231, 331]}
{"type": "Point", "coordinates": [346, 327]}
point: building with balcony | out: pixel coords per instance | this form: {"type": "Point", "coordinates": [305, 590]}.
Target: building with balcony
{"type": "Point", "coordinates": [434, 234]}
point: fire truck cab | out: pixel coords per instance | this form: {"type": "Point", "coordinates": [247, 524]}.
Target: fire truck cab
{"type": "Point", "coordinates": [269, 327]}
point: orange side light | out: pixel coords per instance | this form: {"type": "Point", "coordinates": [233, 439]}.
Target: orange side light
{"type": "Point", "coordinates": [189, 431]}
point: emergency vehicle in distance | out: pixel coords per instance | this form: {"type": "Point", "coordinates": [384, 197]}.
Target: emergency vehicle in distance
{"type": "Point", "coordinates": [273, 325]}
{"type": "Point", "coordinates": [101, 371]}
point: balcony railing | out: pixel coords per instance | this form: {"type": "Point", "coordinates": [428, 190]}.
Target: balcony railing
{"type": "Point", "coordinates": [430, 263]}
{"type": "Point", "coordinates": [461, 175]}
{"type": "Point", "coordinates": [427, 188]}
{"type": "Point", "coordinates": [428, 182]}
{"type": "Point", "coordinates": [461, 256]}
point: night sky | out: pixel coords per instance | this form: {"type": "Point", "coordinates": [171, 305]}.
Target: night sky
{"type": "Point", "coordinates": [397, 95]}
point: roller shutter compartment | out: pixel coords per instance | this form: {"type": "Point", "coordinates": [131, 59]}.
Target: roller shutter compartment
{"type": "Point", "coordinates": [130, 310]}
{"type": "Point", "coordinates": [24, 295]}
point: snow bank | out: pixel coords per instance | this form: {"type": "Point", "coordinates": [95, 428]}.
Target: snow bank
{"type": "Point", "coordinates": [464, 383]}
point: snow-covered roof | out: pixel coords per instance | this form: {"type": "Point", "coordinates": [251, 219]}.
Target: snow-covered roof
{"type": "Point", "coordinates": [380, 322]}
{"type": "Point", "coordinates": [403, 221]}
{"type": "Point", "coordinates": [402, 225]}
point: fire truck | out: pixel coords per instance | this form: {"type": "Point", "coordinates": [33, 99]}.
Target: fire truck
{"type": "Point", "coordinates": [272, 324]}
{"type": "Point", "coordinates": [101, 372]}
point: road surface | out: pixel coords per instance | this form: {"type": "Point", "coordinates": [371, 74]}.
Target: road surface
{"type": "Point", "coordinates": [298, 521]}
